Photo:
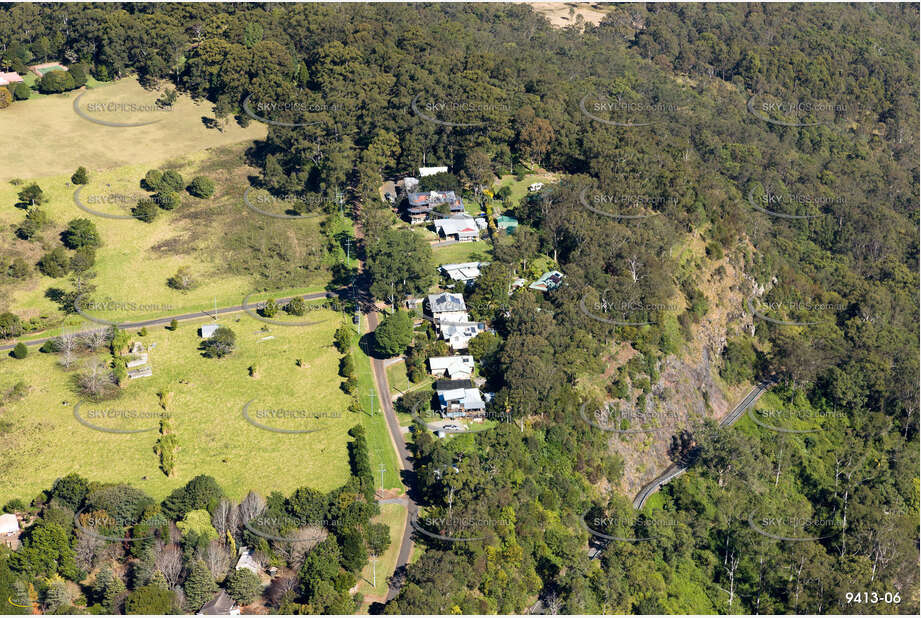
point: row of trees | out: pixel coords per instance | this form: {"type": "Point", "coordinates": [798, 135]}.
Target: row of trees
{"type": "Point", "coordinates": [172, 556]}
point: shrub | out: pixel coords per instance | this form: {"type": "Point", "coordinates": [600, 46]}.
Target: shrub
{"type": "Point", "coordinates": [243, 585]}
{"type": "Point", "coordinates": [220, 344]}
{"type": "Point", "coordinates": [81, 233]}
{"type": "Point", "coordinates": [10, 325]}
{"type": "Point", "coordinates": [31, 195]}
{"type": "Point", "coordinates": [6, 98]}
{"type": "Point", "coordinates": [14, 506]}
{"type": "Point", "coordinates": [182, 280]}
{"type": "Point", "coordinates": [201, 187]}
{"type": "Point", "coordinates": [55, 81]}
{"type": "Point", "coordinates": [18, 269]}
{"type": "Point", "coordinates": [296, 306]}
{"type": "Point", "coordinates": [171, 180]}
{"type": "Point", "coordinates": [35, 220]}
{"type": "Point", "coordinates": [173, 324]}
{"type": "Point", "coordinates": [83, 259]}
{"type": "Point", "coordinates": [344, 338]}
{"type": "Point", "coordinates": [48, 347]}
{"type": "Point", "coordinates": [80, 177]}
{"type": "Point", "coordinates": [270, 309]}
{"type": "Point", "coordinates": [54, 264]}
{"type": "Point", "coordinates": [21, 92]}
{"type": "Point", "coordinates": [153, 180]}
{"type": "Point", "coordinates": [78, 74]}
{"type": "Point", "coordinates": [146, 210]}
{"type": "Point", "coordinates": [20, 351]}
{"type": "Point", "coordinates": [167, 200]}
{"type": "Point", "coordinates": [394, 334]}
{"type": "Point", "coordinates": [142, 332]}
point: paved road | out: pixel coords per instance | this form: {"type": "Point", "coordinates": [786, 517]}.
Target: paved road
{"type": "Point", "coordinates": [675, 470]}
{"type": "Point", "coordinates": [378, 366]}
{"type": "Point", "coordinates": [184, 316]}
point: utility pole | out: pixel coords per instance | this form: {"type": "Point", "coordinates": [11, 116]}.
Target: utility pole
{"type": "Point", "coordinates": [348, 252]}
{"type": "Point", "coordinates": [371, 394]}
{"type": "Point", "coordinates": [373, 571]}
{"type": "Point", "coordinates": [382, 468]}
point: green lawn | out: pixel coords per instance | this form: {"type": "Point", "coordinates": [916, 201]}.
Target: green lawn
{"type": "Point", "coordinates": [136, 258]}
{"type": "Point", "coordinates": [520, 187]}
{"type": "Point", "coordinates": [479, 251]}
{"type": "Point", "coordinates": [41, 440]}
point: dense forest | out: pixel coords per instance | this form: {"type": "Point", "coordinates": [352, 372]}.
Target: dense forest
{"type": "Point", "coordinates": [781, 138]}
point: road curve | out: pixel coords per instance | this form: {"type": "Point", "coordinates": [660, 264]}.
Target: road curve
{"type": "Point", "coordinates": [675, 470]}
{"type": "Point", "coordinates": [184, 316]}
{"type": "Point", "coordinates": [378, 367]}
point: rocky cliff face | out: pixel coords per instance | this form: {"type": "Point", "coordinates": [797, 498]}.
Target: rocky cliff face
{"type": "Point", "coordinates": [689, 387]}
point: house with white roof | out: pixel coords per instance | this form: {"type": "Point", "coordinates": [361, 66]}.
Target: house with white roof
{"type": "Point", "coordinates": [459, 334]}
{"type": "Point", "coordinates": [247, 561]}
{"type": "Point", "coordinates": [462, 228]}
{"type": "Point", "coordinates": [466, 272]}
{"type": "Point", "coordinates": [431, 171]}
{"type": "Point", "coordinates": [9, 531]}
{"type": "Point", "coordinates": [453, 367]}
{"type": "Point", "coordinates": [447, 307]}
{"type": "Point", "coordinates": [459, 398]}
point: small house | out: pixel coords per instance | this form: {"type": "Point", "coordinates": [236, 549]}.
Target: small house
{"type": "Point", "coordinates": [537, 186]}
{"type": "Point", "coordinates": [454, 367]}
{"type": "Point", "coordinates": [9, 531]}
{"type": "Point", "coordinates": [458, 398]}
{"type": "Point", "coordinates": [447, 307]}
{"type": "Point", "coordinates": [462, 228]}
{"type": "Point", "coordinates": [548, 281]}
{"type": "Point", "coordinates": [421, 205]}
{"type": "Point", "coordinates": [138, 356]}
{"type": "Point", "coordinates": [208, 330]}
{"type": "Point", "coordinates": [459, 334]}
{"type": "Point", "coordinates": [466, 271]}
{"type": "Point", "coordinates": [247, 561]}
{"type": "Point", "coordinates": [9, 78]}
{"type": "Point", "coordinates": [220, 605]}
{"type": "Point", "coordinates": [431, 171]}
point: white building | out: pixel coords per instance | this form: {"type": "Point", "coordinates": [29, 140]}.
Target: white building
{"type": "Point", "coordinates": [208, 330]}
{"type": "Point", "coordinates": [454, 367]}
{"type": "Point", "coordinates": [462, 228]}
{"type": "Point", "coordinates": [466, 271]}
{"type": "Point", "coordinates": [459, 334]}
{"type": "Point", "coordinates": [431, 171]}
{"type": "Point", "coordinates": [447, 307]}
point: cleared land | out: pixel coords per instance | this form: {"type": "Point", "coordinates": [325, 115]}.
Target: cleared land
{"type": "Point", "coordinates": [52, 139]}
{"type": "Point", "coordinates": [461, 252]}
{"type": "Point", "coordinates": [394, 515]}
{"type": "Point", "coordinates": [229, 249]}
{"type": "Point", "coordinates": [41, 440]}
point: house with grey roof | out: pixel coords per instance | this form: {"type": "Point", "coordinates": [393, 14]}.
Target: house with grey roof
{"type": "Point", "coordinates": [447, 307]}
{"type": "Point", "coordinates": [461, 227]}
{"type": "Point", "coordinates": [457, 398]}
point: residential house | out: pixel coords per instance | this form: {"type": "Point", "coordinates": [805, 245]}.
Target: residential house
{"type": "Point", "coordinates": [138, 356]}
{"type": "Point", "coordinates": [459, 334]}
{"type": "Point", "coordinates": [220, 605]}
{"type": "Point", "coordinates": [408, 184]}
{"type": "Point", "coordinates": [462, 228]}
{"type": "Point", "coordinates": [458, 398]}
{"type": "Point", "coordinates": [548, 281]}
{"type": "Point", "coordinates": [466, 271]}
{"type": "Point", "coordinates": [247, 561]}
{"type": "Point", "coordinates": [431, 171]}
{"type": "Point", "coordinates": [9, 78]}
{"type": "Point", "coordinates": [447, 307]}
{"type": "Point", "coordinates": [454, 367]}
{"type": "Point", "coordinates": [421, 205]}
{"type": "Point", "coordinates": [9, 531]}
{"type": "Point", "coordinates": [208, 330]}
{"type": "Point", "coordinates": [537, 186]}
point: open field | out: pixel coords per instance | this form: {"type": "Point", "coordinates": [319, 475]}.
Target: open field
{"type": "Point", "coordinates": [519, 188]}
{"type": "Point", "coordinates": [206, 411]}
{"type": "Point", "coordinates": [40, 125]}
{"type": "Point", "coordinates": [220, 240]}
{"type": "Point", "coordinates": [558, 13]}
{"type": "Point", "coordinates": [479, 251]}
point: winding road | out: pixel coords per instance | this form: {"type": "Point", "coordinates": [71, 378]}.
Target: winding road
{"type": "Point", "coordinates": [675, 470]}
